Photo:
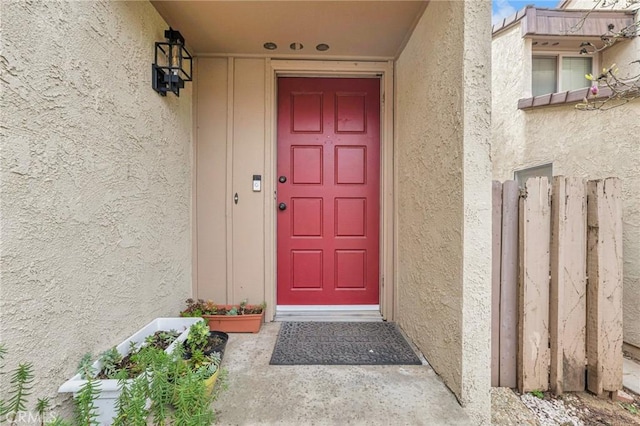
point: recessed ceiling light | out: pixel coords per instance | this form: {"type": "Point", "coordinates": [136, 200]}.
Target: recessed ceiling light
{"type": "Point", "coordinates": [270, 45]}
{"type": "Point", "coordinates": [296, 46]}
{"type": "Point", "coordinates": [322, 47]}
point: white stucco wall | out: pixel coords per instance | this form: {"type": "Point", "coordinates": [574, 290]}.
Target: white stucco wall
{"type": "Point", "coordinates": [95, 173]}
{"type": "Point", "coordinates": [592, 145]}
{"type": "Point", "coordinates": [508, 82]}
{"type": "Point", "coordinates": [443, 181]}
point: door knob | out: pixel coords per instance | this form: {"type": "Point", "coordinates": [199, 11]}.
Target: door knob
{"type": "Point", "coordinates": [282, 206]}
{"type": "Point", "coordinates": [282, 179]}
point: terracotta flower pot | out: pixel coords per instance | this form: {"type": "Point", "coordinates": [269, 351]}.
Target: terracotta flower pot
{"type": "Point", "coordinates": [248, 323]}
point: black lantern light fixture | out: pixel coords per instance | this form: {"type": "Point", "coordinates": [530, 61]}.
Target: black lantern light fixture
{"type": "Point", "coordinates": [172, 65]}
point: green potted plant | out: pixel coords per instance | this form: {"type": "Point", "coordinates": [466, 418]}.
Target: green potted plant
{"type": "Point", "coordinates": [108, 369]}
{"type": "Point", "coordinates": [241, 318]}
{"type": "Point", "coordinates": [203, 350]}
{"type": "Point", "coordinates": [170, 391]}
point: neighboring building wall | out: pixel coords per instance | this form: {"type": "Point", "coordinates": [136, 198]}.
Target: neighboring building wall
{"type": "Point", "coordinates": [230, 150]}
{"type": "Point", "coordinates": [509, 81]}
{"type": "Point", "coordinates": [585, 144]}
{"type": "Point", "coordinates": [96, 183]}
{"type": "Point", "coordinates": [586, 4]}
{"type": "Point", "coordinates": [443, 173]}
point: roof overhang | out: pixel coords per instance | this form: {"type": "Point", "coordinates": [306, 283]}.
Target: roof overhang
{"type": "Point", "coordinates": [540, 22]}
{"type": "Point", "coordinates": [352, 29]}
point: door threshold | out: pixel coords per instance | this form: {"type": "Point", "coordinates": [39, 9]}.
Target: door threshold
{"type": "Point", "coordinates": [328, 313]}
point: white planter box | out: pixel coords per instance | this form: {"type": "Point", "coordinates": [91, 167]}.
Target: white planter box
{"type": "Point", "coordinates": [109, 391]}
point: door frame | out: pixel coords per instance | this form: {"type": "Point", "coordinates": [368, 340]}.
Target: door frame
{"type": "Point", "coordinates": [388, 220]}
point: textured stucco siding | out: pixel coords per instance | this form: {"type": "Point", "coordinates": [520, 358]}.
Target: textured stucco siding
{"type": "Point", "coordinates": [592, 145]}
{"type": "Point", "coordinates": [441, 111]}
{"type": "Point", "coordinates": [476, 284]}
{"type": "Point", "coordinates": [510, 79]}
{"type": "Point", "coordinates": [95, 171]}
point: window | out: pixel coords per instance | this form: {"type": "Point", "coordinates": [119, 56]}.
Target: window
{"type": "Point", "coordinates": [544, 170]}
{"type": "Point", "coordinates": [551, 74]}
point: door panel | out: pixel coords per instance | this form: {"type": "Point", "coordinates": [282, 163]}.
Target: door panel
{"type": "Point", "coordinates": [329, 154]}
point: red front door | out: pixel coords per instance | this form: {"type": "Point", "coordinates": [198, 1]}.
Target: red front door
{"type": "Point", "coordinates": [328, 191]}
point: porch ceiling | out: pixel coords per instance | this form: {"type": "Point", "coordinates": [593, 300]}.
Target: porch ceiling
{"type": "Point", "coordinates": [375, 29]}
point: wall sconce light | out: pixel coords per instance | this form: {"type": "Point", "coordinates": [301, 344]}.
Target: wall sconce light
{"type": "Point", "coordinates": [172, 65]}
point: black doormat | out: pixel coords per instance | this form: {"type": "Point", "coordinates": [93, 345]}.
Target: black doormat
{"type": "Point", "coordinates": [342, 343]}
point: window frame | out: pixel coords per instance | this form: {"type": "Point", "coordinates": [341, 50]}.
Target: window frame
{"type": "Point", "coordinates": [532, 171]}
{"type": "Point", "coordinates": [560, 55]}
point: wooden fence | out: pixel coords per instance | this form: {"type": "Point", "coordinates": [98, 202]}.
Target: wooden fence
{"type": "Point", "coordinates": [557, 285]}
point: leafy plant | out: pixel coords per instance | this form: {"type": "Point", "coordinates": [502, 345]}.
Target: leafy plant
{"type": "Point", "coordinates": [198, 308]}
{"type": "Point", "coordinates": [177, 393]}
{"type": "Point", "coordinates": [208, 367]}
{"type": "Point", "coordinates": [42, 406]}
{"type": "Point", "coordinates": [131, 404]}
{"type": "Point", "coordinates": [198, 336]}
{"type": "Point", "coordinates": [192, 401]}
{"type": "Point", "coordinates": [110, 361]}
{"type": "Point", "coordinates": [161, 339]}
{"type": "Point", "coordinates": [58, 421]}
{"type": "Point", "coordinates": [537, 394]}
{"type": "Point", "coordinates": [86, 412]}
{"type": "Point", "coordinates": [20, 387]}
{"type": "Point", "coordinates": [85, 369]}
{"type": "Point", "coordinates": [3, 353]}
{"type": "Point", "coordinates": [629, 407]}
{"type": "Point", "coordinates": [161, 386]}
{"type": "Point", "coordinates": [243, 306]}
{"type": "Point", "coordinates": [195, 308]}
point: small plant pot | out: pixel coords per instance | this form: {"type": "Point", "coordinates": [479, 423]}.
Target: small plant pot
{"type": "Point", "coordinates": [249, 323]}
{"type": "Point", "coordinates": [222, 338]}
{"type": "Point", "coordinates": [218, 342]}
{"type": "Point", "coordinates": [210, 383]}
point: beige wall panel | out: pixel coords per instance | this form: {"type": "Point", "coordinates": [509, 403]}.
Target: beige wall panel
{"type": "Point", "coordinates": [438, 276]}
{"type": "Point", "coordinates": [590, 145]}
{"type": "Point", "coordinates": [248, 159]}
{"type": "Point", "coordinates": [211, 178]}
{"type": "Point", "coordinates": [96, 172]}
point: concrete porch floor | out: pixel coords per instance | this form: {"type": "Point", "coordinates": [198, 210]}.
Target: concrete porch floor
{"type": "Point", "coordinates": [259, 393]}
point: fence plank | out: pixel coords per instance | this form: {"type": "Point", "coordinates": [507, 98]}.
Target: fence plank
{"type": "Point", "coordinates": [568, 301]}
{"type": "Point", "coordinates": [604, 294]}
{"type": "Point", "coordinates": [533, 320]}
{"type": "Point", "coordinates": [509, 285]}
{"type": "Point", "coordinates": [496, 243]}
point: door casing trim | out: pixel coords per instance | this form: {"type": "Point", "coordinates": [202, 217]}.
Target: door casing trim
{"type": "Point", "coordinates": [388, 220]}
{"type": "Point", "coordinates": [324, 308]}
